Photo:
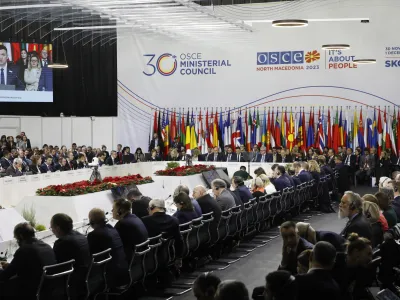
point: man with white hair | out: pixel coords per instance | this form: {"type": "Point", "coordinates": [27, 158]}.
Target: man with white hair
{"type": "Point", "coordinates": [351, 207]}
{"type": "Point", "coordinates": [222, 195]}
{"type": "Point", "coordinates": [263, 156]}
{"type": "Point", "coordinates": [15, 169]}
{"type": "Point", "coordinates": [159, 222]}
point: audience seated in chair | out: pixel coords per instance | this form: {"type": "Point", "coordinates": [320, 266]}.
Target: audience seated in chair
{"type": "Point", "coordinates": [242, 190]}
{"type": "Point", "coordinates": [257, 187]}
{"type": "Point", "coordinates": [293, 245]}
{"type": "Point", "coordinates": [351, 207]}
{"type": "Point", "coordinates": [387, 211]}
{"type": "Point", "coordinates": [20, 278]}
{"type": "Point", "coordinates": [140, 203]}
{"type": "Point", "coordinates": [185, 211]}
{"type": "Point", "coordinates": [222, 195]}
{"type": "Point", "coordinates": [183, 188]}
{"type": "Point", "coordinates": [130, 228]}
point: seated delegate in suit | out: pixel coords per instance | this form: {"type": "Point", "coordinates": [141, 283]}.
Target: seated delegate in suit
{"type": "Point", "coordinates": [15, 169]}
{"type": "Point", "coordinates": [112, 159]}
{"type": "Point", "coordinates": [263, 156]}
{"type": "Point", "coordinates": [293, 245]}
{"type": "Point", "coordinates": [140, 203]}
{"type": "Point", "coordinates": [159, 222]}
{"type": "Point", "coordinates": [156, 142]}
{"type": "Point", "coordinates": [104, 237]}
{"type": "Point", "coordinates": [351, 207]}
{"type": "Point", "coordinates": [154, 156]}
{"type": "Point", "coordinates": [35, 167]}
{"type": "Point", "coordinates": [208, 204]}
{"type": "Point", "coordinates": [244, 193]}
{"type": "Point", "coordinates": [230, 156]}
{"type": "Point", "coordinates": [130, 228]}
{"type": "Point", "coordinates": [343, 183]}
{"type": "Point", "coordinates": [63, 166]}
{"type": "Point", "coordinates": [173, 155]}
{"type": "Point", "coordinates": [6, 160]}
{"type": "Point", "coordinates": [185, 210]}
{"type": "Point", "coordinates": [215, 156]}
{"type": "Point", "coordinates": [127, 156]}
{"type": "Point", "coordinates": [307, 232]}
{"type": "Point", "coordinates": [71, 244]}
{"type": "Point", "coordinates": [27, 265]}
{"type": "Point", "coordinates": [302, 174]}
{"type": "Point", "coordinates": [47, 165]}
{"type": "Point", "coordinates": [8, 73]}
{"type": "Point", "coordinates": [280, 181]}
{"type": "Point", "coordinates": [318, 283]}
{"type": "Point", "coordinates": [71, 161]}
{"type": "Point", "coordinates": [240, 156]}
{"type": "Point", "coordinates": [387, 211]}
{"type": "Point", "coordinates": [184, 188]}
{"type": "Point", "coordinates": [222, 195]}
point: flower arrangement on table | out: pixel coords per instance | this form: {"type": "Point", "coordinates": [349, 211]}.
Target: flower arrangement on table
{"type": "Point", "coordinates": [86, 187]}
{"type": "Point", "coordinates": [185, 170]}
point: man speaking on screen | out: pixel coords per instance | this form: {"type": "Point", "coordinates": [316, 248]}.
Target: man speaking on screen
{"type": "Point", "coordinates": [8, 74]}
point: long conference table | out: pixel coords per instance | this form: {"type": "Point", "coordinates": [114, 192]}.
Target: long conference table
{"type": "Point", "coordinates": [14, 189]}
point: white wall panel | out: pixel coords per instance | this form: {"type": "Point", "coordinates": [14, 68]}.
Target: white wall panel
{"type": "Point", "coordinates": [33, 130]}
{"type": "Point", "coordinates": [103, 132]}
{"type": "Point", "coordinates": [66, 127]}
{"type": "Point", "coordinates": [51, 131]}
{"type": "Point", "coordinates": [9, 126]}
{"type": "Point", "coordinates": [82, 131]}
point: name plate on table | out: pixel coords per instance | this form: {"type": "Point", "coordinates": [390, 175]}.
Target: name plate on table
{"type": "Point", "coordinates": [22, 179]}
{"type": "Point", "coordinates": [8, 180]}
{"type": "Point", "coordinates": [70, 173]}
{"type": "Point", "coordinates": [106, 168]}
{"type": "Point", "coordinates": [47, 176]}
{"type": "Point", "coordinates": [114, 167]}
{"type": "Point", "coordinates": [57, 175]}
{"type": "Point", "coordinates": [80, 172]}
{"type": "Point", "coordinates": [34, 178]}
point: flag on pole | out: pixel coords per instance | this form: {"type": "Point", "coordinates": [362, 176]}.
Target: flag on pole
{"type": "Point", "coordinates": [268, 137]}
{"type": "Point", "coordinates": [310, 132]}
{"type": "Point", "coordinates": [341, 142]}
{"type": "Point", "coordinates": [215, 129]}
{"type": "Point", "coordinates": [380, 133]}
{"type": "Point", "coordinates": [398, 132]}
{"type": "Point", "coordinates": [188, 131]}
{"type": "Point", "coordinates": [370, 142]}
{"type": "Point", "coordinates": [277, 130]}
{"type": "Point", "coordinates": [304, 138]}
{"type": "Point", "coordinates": [200, 135]}
{"type": "Point", "coordinates": [360, 134]}
{"type": "Point", "coordinates": [385, 134]}
{"type": "Point", "coordinates": [283, 128]}
{"type": "Point", "coordinates": [290, 132]}
{"type": "Point", "coordinates": [355, 131]}
{"type": "Point", "coordinates": [272, 130]}
{"type": "Point", "coordinates": [155, 128]}
{"type": "Point", "coordinates": [300, 142]}
{"type": "Point", "coordinates": [193, 137]}
{"type": "Point", "coordinates": [166, 138]}
{"type": "Point", "coordinates": [248, 130]}
{"type": "Point", "coordinates": [237, 134]}
{"type": "Point", "coordinates": [321, 136]}
{"type": "Point", "coordinates": [227, 124]}
{"type": "Point", "coordinates": [258, 129]}
{"type": "Point", "coordinates": [163, 123]}
{"type": "Point", "coordinates": [221, 131]}
{"type": "Point", "coordinates": [391, 130]}
{"type": "Point", "coordinates": [173, 132]}
{"type": "Point", "coordinates": [264, 132]}
{"type": "Point", "coordinates": [329, 139]}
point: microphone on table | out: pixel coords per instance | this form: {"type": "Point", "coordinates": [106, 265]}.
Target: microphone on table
{"type": "Point", "coordinates": [167, 198]}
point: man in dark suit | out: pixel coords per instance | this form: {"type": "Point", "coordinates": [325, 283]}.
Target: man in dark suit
{"type": "Point", "coordinates": [156, 141]}
{"type": "Point", "coordinates": [204, 157]}
{"type": "Point", "coordinates": [177, 144]}
{"type": "Point", "coordinates": [230, 156]}
{"type": "Point", "coordinates": [343, 180]}
{"type": "Point", "coordinates": [159, 222]}
{"type": "Point", "coordinates": [71, 245]}
{"type": "Point", "coordinates": [47, 166]}
{"type": "Point", "coordinates": [293, 245]}
{"type": "Point", "coordinates": [252, 156]}
{"type": "Point", "coordinates": [207, 204]}
{"type": "Point", "coordinates": [104, 237]}
{"type": "Point", "coordinates": [73, 165]}
{"type": "Point", "coordinates": [27, 264]}
{"type": "Point", "coordinates": [280, 181]}
{"type": "Point", "coordinates": [6, 160]}
{"type": "Point", "coordinates": [351, 207]}
{"type": "Point", "coordinates": [263, 156]}
{"type": "Point", "coordinates": [302, 174]}
{"type": "Point", "coordinates": [331, 158]}
{"type": "Point", "coordinates": [140, 203]}
{"type": "Point", "coordinates": [8, 73]}
{"type": "Point", "coordinates": [215, 156]}
{"type": "Point", "coordinates": [15, 169]}
{"type": "Point", "coordinates": [276, 155]}
{"type": "Point", "coordinates": [350, 162]}
{"type": "Point", "coordinates": [318, 283]}
{"type": "Point", "coordinates": [130, 228]}
{"type": "Point", "coordinates": [240, 157]}
{"type": "Point", "coordinates": [223, 197]}
{"type": "Point", "coordinates": [112, 159]}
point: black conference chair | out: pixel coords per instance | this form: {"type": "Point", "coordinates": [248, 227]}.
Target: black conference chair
{"type": "Point", "coordinates": [54, 282]}
{"type": "Point", "coordinates": [96, 281]}
{"type": "Point", "coordinates": [185, 230]}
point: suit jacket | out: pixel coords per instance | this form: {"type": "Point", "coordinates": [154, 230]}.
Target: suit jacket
{"type": "Point", "coordinates": [28, 263]}
{"type": "Point", "coordinates": [73, 164]}
{"type": "Point", "coordinates": [244, 193]}
{"type": "Point", "coordinates": [110, 161]}
{"type": "Point", "coordinates": [396, 206]}
{"type": "Point", "coordinates": [45, 168]}
{"type": "Point", "coordinates": [287, 159]}
{"type": "Point", "coordinates": [160, 222]}
{"type": "Point", "coordinates": [12, 77]}
{"type": "Point", "coordinates": [211, 157]}
{"type": "Point", "coordinates": [281, 183]}
{"type": "Point", "coordinates": [74, 246]}
{"type": "Point", "coordinates": [236, 196]}
{"type": "Point", "coordinates": [139, 207]}
{"type": "Point", "coordinates": [132, 232]}
{"type": "Point", "coordinates": [331, 162]}
{"type": "Point", "coordinates": [11, 171]}
{"type": "Point", "coordinates": [267, 158]}
{"type": "Point", "coordinates": [106, 237]}
{"type": "Point", "coordinates": [153, 144]}
{"type": "Point", "coordinates": [35, 169]}
{"type": "Point", "coordinates": [232, 158]}
{"type": "Point", "coordinates": [208, 204]}
{"type": "Point", "coordinates": [350, 159]}
{"type": "Point", "coordinates": [277, 157]}
{"type": "Point", "coordinates": [327, 170]}
{"type": "Point", "coordinates": [64, 168]}
{"type": "Point", "coordinates": [296, 181]}
{"type": "Point", "coordinates": [5, 163]}
{"type": "Point", "coordinates": [317, 284]}
{"type": "Point", "coordinates": [197, 208]}
{"type": "Point", "coordinates": [304, 176]}
{"type": "Point", "coordinates": [225, 200]}
{"type": "Point", "coordinates": [291, 180]}
{"type": "Point", "coordinates": [46, 80]}
{"type": "Point", "coordinates": [185, 216]}
{"type": "Point", "coordinates": [177, 145]}
{"type": "Point", "coordinates": [343, 180]}
{"type": "Point", "coordinates": [358, 224]}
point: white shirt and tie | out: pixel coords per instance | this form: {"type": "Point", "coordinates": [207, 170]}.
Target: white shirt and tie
{"type": "Point", "coordinates": [3, 72]}
{"type": "Point", "coordinates": [348, 160]}
{"type": "Point", "coordinates": [263, 158]}
{"type": "Point", "coordinates": [229, 157]}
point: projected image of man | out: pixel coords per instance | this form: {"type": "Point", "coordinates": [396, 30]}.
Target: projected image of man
{"type": "Point", "coordinates": [8, 74]}
{"type": "Point", "coordinates": [46, 78]}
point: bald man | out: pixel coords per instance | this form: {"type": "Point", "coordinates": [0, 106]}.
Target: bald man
{"type": "Point", "coordinates": [105, 236]}
{"type": "Point", "coordinates": [208, 204]}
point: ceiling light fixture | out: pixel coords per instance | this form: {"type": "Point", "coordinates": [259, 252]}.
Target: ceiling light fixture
{"type": "Point", "coordinates": [364, 61]}
{"type": "Point", "coordinates": [336, 47]}
{"type": "Point", "coordinates": [290, 23]}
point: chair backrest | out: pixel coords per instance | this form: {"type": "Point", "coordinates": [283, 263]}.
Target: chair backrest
{"type": "Point", "coordinates": [185, 230]}
{"type": "Point", "coordinates": [151, 261]}
{"type": "Point", "coordinates": [54, 281]}
{"type": "Point", "coordinates": [96, 274]}
{"type": "Point", "coordinates": [136, 268]}
{"type": "Point", "coordinates": [204, 232]}
{"type": "Point", "coordinates": [223, 225]}
{"type": "Point", "coordinates": [276, 197]}
{"type": "Point", "coordinates": [234, 220]}
{"type": "Point", "coordinates": [266, 206]}
{"type": "Point", "coordinates": [193, 240]}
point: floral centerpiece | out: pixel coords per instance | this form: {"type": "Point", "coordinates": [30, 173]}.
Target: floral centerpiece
{"type": "Point", "coordinates": [185, 170]}
{"type": "Point", "coordinates": [86, 187]}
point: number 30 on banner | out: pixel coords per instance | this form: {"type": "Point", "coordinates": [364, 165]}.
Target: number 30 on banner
{"type": "Point", "coordinates": [166, 64]}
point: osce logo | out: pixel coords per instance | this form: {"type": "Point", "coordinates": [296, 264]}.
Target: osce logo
{"type": "Point", "coordinates": [280, 58]}
{"type": "Point", "coordinates": [287, 60]}
{"type": "Point", "coordinates": [166, 64]}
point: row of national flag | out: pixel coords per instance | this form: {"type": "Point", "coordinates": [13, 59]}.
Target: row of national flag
{"type": "Point", "coordinates": [280, 127]}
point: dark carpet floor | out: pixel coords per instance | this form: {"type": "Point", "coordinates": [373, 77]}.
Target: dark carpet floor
{"type": "Point", "coordinates": [252, 269]}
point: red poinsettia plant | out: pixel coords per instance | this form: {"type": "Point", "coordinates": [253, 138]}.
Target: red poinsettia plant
{"type": "Point", "coordinates": [185, 170]}
{"type": "Point", "coordinates": [86, 187]}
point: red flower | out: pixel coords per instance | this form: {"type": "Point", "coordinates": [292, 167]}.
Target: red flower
{"type": "Point", "coordinates": [185, 170]}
